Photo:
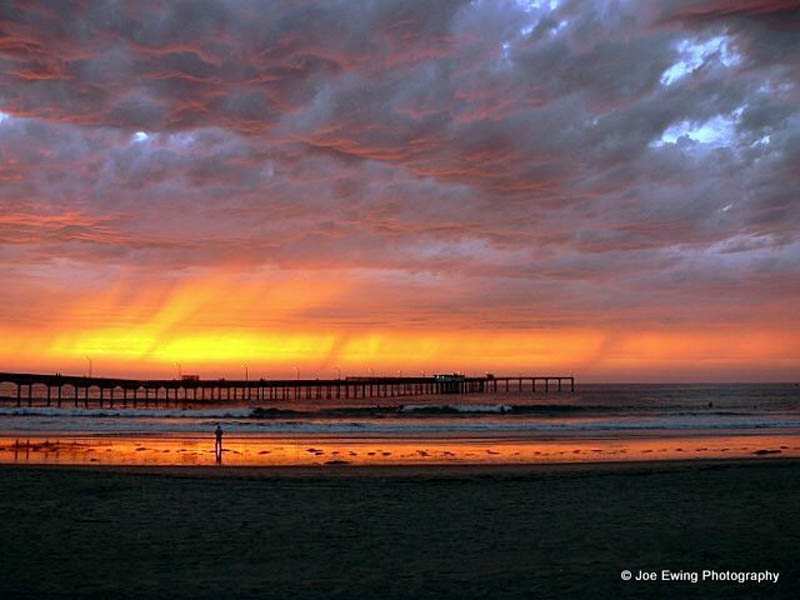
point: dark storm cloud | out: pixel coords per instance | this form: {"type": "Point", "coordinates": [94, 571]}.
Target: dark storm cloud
{"type": "Point", "coordinates": [569, 143]}
{"type": "Point", "coordinates": [773, 10]}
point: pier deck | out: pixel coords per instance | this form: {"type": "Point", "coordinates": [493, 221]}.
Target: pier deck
{"type": "Point", "coordinates": [55, 390]}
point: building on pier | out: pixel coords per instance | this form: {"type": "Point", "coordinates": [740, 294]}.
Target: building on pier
{"type": "Point", "coordinates": [450, 383]}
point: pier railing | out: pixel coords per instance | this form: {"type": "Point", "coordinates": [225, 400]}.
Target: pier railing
{"type": "Point", "coordinates": [56, 390]}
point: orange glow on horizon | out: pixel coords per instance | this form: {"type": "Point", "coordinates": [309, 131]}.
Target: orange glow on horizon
{"type": "Point", "coordinates": [277, 353]}
{"type": "Point", "coordinates": [215, 325]}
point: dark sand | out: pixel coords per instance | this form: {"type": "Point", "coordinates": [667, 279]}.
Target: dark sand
{"type": "Point", "coordinates": [491, 532]}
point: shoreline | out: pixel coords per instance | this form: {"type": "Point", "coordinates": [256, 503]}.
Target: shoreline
{"type": "Point", "coordinates": [454, 471]}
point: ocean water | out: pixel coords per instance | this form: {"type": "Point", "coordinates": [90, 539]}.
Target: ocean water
{"type": "Point", "coordinates": [607, 410]}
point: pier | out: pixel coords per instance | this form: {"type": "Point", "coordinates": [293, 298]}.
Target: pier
{"type": "Point", "coordinates": [60, 390]}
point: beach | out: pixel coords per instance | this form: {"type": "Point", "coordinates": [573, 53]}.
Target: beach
{"type": "Point", "coordinates": [502, 496]}
{"type": "Point", "coordinates": [541, 531]}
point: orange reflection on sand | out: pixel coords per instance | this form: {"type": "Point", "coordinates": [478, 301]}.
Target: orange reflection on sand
{"type": "Point", "coordinates": [275, 452]}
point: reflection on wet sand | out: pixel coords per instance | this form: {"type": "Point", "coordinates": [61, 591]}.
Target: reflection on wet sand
{"type": "Point", "coordinates": [271, 451]}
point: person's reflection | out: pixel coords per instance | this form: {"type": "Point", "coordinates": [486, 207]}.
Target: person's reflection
{"type": "Point", "coordinates": [218, 444]}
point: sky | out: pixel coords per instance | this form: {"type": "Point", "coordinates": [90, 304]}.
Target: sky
{"type": "Point", "coordinates": [601, 188]}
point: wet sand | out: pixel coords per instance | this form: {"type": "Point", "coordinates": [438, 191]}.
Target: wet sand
{"type": "Point", "coordinates": [535, 531]}
{"type": "Point", "coordinates": [333, 451]}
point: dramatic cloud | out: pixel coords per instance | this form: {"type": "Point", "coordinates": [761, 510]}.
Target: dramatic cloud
{"type": "Point", "coordinates": [520, 165]}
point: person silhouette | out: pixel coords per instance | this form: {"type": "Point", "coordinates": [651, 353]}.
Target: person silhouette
{"type": "Point", "coordinates": [218, 443]}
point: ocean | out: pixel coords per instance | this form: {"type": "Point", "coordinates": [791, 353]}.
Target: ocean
{"type": "Point", "coordinates": [596, 423]}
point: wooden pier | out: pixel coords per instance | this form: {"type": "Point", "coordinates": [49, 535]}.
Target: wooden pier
{"type": "Point", "coordinates": [59, 390]}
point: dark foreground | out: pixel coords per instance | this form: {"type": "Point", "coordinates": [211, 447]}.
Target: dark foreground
{"type": "Point", "coordinates": [516, 533]}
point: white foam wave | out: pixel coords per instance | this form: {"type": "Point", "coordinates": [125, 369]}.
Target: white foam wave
{"type": "Point", "coordinates": [462, 408]}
